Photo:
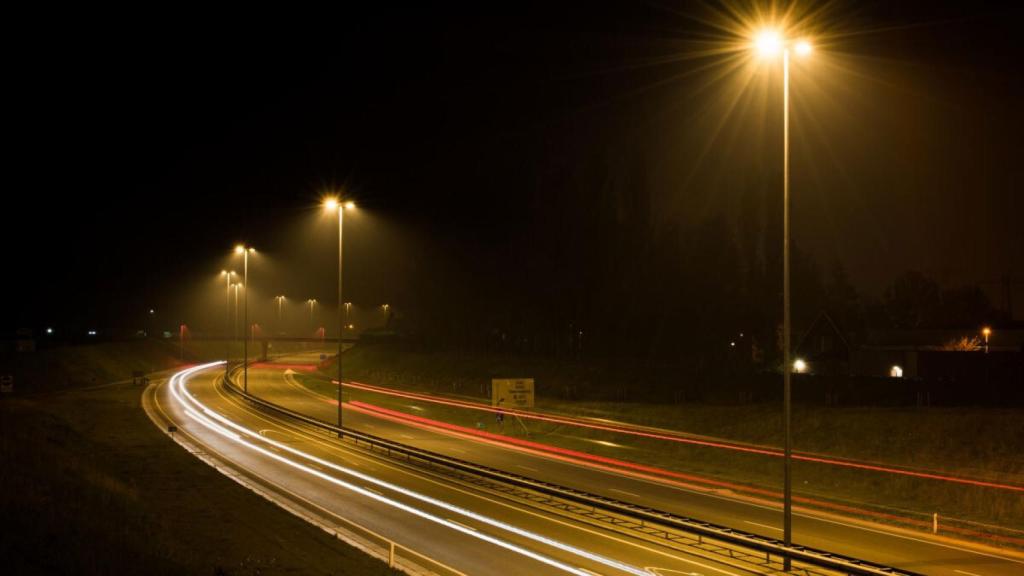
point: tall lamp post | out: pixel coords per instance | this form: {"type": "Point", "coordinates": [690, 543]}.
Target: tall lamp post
{"type": "Point", "coordinates": [245, 251]}
{"type": "Point", "coordinates": [334, 206]}
{"type": "Point", "coordinates": [769, 43]}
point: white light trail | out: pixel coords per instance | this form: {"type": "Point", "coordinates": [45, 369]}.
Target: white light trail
{"type": "Point", "coordinates": [223, 426]}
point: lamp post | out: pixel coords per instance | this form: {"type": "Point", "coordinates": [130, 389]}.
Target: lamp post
{"type": "Point", "coordinates": [245, 251]}
{"type": "Point", "coordinates": [333, 205]}
{"type": "Point", "coordinates": [312, 325]}
{"type": "Point", "coordinates": [234, 323]}
{"type": "Point", "coordinates": [227, 318]}
{"type": "Point", "coordinates": [348, 310]}
{"type": "Point", "coordinates": [769, 43]}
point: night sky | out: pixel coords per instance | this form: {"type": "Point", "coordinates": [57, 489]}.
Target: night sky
{"type": "Point", "coordinates": [492, 145]}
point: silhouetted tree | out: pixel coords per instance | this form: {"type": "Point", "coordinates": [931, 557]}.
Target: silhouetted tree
{"type": "Point", "coordinates": [965, 306]}
{"type": "Point", "coordinates": [912, 301]}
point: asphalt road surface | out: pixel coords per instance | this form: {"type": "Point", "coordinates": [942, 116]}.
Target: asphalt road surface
{"type": "Point", "coordinates": [903, 549]}
{"type": "Point", "coordinates": [471, 531]}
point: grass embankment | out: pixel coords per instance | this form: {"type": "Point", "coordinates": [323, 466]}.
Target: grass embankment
{"type": "Point", "coordinates": [67, 367]}
{"type": "Point", "coordinates": [88, 485]}
{"type": "Point", "coordinates": [976, 442]}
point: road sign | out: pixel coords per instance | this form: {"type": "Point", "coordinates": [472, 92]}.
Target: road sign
{"type": "Point", "coordinates": [512, 392]}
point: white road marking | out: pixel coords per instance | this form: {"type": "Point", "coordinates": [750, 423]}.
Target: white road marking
{"type": "Point", "coordinates": [526, 468]}
{"type": "Point", "coordinates": [624, 492]}
{"type": "Point", "coordinates": [764, 526]}
{"type": "Point", "coordinates": [664, 571]}
{"type": "Point", "coordinates": [461, 524]}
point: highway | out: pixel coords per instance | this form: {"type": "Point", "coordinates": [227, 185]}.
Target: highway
{"type": "Point", "coordinates": [903, 549]}
{"type": "Point", "coordinates": [465, 530]}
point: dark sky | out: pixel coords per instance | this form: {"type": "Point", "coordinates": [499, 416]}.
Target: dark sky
{"type": "Point", "coordinates": [145, 145]}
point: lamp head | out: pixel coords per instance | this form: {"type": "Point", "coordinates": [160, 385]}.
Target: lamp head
{"type": "Point", "coordinates": [768, 42]}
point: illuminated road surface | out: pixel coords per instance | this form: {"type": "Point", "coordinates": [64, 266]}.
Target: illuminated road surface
{"type": "Point", "coordinates": [905, 550]}
{"type": "Point", "coordinates": [471, 531]}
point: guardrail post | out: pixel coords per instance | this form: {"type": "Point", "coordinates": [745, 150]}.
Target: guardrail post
{"type": "Point", "coordinates": [391, 556]}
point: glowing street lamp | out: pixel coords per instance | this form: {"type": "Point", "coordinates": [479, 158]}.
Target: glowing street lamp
{"type": "Point", "coordinates": [280, 302]}
{"type": "Point", "coordinates": [245, 251]}
{"type": "Point", "coordinates": [986, 332]}
{"type": "Point", "coordinates": [769, 43]}
{"type": "Point", "coordinates": [334, 206]}
{"type": "Point", "coordinates": [799, 366]}
{"type": "Point", "coordinates": [227, 274]}
{"type": "Point", "coordinates": [312, 303]}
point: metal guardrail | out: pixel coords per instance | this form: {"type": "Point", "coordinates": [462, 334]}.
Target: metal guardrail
{"type": "Point", "coordinates": [769, 546]}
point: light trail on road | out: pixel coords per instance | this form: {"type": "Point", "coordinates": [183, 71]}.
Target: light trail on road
{"type": "Point", "coordinates": [571, 421]}
{"type": "Point", "coordinates": [653, 473]}
{"type": "Point", "coordinates": [224, 427]}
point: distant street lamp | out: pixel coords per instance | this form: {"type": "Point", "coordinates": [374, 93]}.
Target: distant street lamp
{"type": "Point", "coordinates": [986, 332]}
{"type": "Point", "coordinates": [227, 274]}
{"type": "Point", "coordinates": [280, 302]}
{"type": "Point", "coordinates": [334, 206]}
{"type": "Point", "coordinates": [234, 321]}
{"type": "Point", "coordinates": [245, 251]}
{"type": "Point", "coordinates": [769, 43]}
{"type": "Point", "coordinates": [312, 325]}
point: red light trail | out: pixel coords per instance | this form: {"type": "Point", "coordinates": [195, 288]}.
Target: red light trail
{"type": "Point", "coordinates": [623, 429]}
{"type": "Point", "coordinates": [643, 471]}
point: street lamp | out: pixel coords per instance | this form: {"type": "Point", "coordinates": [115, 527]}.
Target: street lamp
{"type": "Point", "coordinates": [334, 206]}
{"type": "Point", "coordinates": [312, 325]}
{"type": "Point", "coordinates": [245, 251]}
{"type": "Point", "coordinates": [234, 323]}
{"type": "Point", "coordinates": [280, 302]}
{"type": "Point", "coordinates": [986, 332]}
{"type": "Point", "coordinates": [227, 274]}
{"type": "Point", "coordinates": [769, 43]}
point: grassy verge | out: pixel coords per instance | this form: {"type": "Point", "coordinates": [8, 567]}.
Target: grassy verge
{"type": "Point", "coordinates": [89, 486]}
{"type": "Point", "coordinates": [983, 443]}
